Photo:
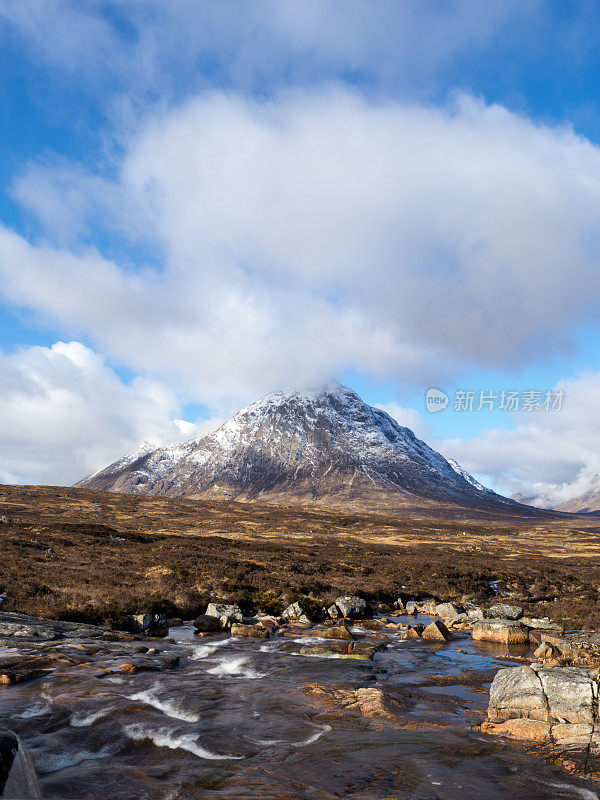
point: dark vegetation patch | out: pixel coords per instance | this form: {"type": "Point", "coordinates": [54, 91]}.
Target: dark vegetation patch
{"type": "Point", "coordinates": [88, 556]}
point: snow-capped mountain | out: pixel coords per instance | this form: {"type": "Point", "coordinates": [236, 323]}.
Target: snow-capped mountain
{"type": "Point", "coordinates": [326, 446]}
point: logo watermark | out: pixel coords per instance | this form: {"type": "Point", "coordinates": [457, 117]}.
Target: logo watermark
{"type": "Point", "coordinates": [527, 400]}
{"type": "Point", "coordinates": [436, 400]}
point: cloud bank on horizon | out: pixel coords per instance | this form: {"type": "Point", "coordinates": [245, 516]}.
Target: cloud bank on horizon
{"type": "Point", "coordinates": [329, 194]}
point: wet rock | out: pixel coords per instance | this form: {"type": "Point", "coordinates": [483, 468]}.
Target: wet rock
{"type": "Point", "coordinates": [148, 624]}
{"type": "Point", "coordinates": [502, 631]}
{"type": "Point", "coordinates": [23, 630]}
{"type": "Point", "coordinates": [225, 613]}
{"type": "Point", "coordinates": [448, 610]}
{"type": "Point", "coordinates": [526, 729]}
{"type": "Point", "coordinates": [249, 631]}
{"type": "Point", "coordinates": [335, 632]}
{"type": "Point", "coordinates": [415, 632]}
{"type": "Point", "coordinates": [437, 631]}
{"type": "Point", "coordinates": [504, 611]}
{"type": "Point", "coordinates": [207, 624]}
{"type": "Point", "coordinates": [17, 773]}
{"type": "Point", "coordinates": [351, 606]}
{"type": "Point", "coordinates": [368, 624]}
{"type": "Point", "coordinates": [368, 701]}
{"type": "Point", "coordinates": [363, 651]}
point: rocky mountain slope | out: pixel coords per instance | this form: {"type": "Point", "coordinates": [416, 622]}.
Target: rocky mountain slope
{"type": "Point", "coordinates": [326, 447]}
{"type": "Point", "coordinates": [586, 502]}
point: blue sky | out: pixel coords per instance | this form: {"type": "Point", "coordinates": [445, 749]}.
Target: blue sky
{"type": "Point", "coordinates": [210, 200]}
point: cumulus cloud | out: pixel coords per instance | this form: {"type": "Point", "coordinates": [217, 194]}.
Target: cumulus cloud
{"type": "Point", "coordinates": [64, 413]}
{"type": "Point", "coordinates": [296, 238]}
{"type": "Point", "coordinates": [157, 48]}
{"type": "Point", "coordinates": [549, 457]}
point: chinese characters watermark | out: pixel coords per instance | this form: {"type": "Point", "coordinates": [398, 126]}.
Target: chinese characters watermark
{"type": "Point", "coordinates": [527, 400]}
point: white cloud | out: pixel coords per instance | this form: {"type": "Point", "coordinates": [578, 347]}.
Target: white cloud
{"type": "Point", "coordinates": [302, 236]}
{"type": "Point", "coordinates": [64, 413]}
{"type": "Point", "coordinates": [550, 457]}
{"type": "Point", "coordinates": [150, 48]}
{"type": "Point", "coordinates": [407, 417]}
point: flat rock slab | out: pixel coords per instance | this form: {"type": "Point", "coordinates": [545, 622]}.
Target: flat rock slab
{"type": "Point", "coordinates": [501, 631]}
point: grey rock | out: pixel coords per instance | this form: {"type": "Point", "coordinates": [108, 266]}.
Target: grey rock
{"type": "Point", "coordinates": [295, 611]}
{"type": "Point", "coordinates": [148, 624]}
{"type": "Point", "coordinates": [351, 606]}
{"type": "Point", "coordinates": [570, 693]}
{"type": "Point", "coordinates": [448, 610]}
{"type": "Point", "coordinates": [412, 607]}
{"type": "Point", "coordinates": [550, 694]}
{"type": "Point", "coordinates": [504, 611]}
{"type": "Point", "coordinates": [517, 693]}
{"type": "Point", "coordinates": [333, 611]}
{"type": "Point", "coordinates": [475, 613]}
{"type": "Point", "coordinates": [227, 613]}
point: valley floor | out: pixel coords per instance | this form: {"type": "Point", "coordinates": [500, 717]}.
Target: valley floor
{"type": "Point", "coordinates": [94, 556]}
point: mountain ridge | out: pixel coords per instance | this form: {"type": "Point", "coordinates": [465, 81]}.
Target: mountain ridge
{"type": "Point", "coordinates": [325, 446]}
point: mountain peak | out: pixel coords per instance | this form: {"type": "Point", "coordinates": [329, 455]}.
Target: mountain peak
{"type": "Point", "coordinates": [322, 445]}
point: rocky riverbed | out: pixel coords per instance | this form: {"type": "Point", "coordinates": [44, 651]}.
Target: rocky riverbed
{"type": "Point", "coordinates": [285, 708]}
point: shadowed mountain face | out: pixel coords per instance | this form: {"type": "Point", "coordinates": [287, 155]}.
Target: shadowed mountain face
{"type": "Point", "coordinates": [326, 447]}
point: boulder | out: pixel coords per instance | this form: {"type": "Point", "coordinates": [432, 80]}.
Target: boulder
{"type": "Point", "coordinates": [412, 608]}
{"type": "Point", "coordinates": [427, 606]}
{"type": "Point", "coordinates": [225, 613]}
{"type": "Point", "coordinates": [384, 608]}
{"type": "Point", "coordinates": [570, 693]}
{"type": "Point", "coordinates": [504, 611]}
{"type": "Point", "coordinates": [517, 693]}
{"type": "Point", "coordinates": [415, 632]}
{"type": "Point", "coordinates": [248, 631]}
{"type": "Point", "coordinates": [333, 611]}
{"type": "Point", "coordinates": [399, 606]}
{"type": "Point", "coordinates": [448, 610]}
{"type": "Point", "coordinates": [555, 695]}
{"type": "Point", "coordinates": [502, 631]}
{"type": "Point", "coordinates": [295, 611]}
{"type": "Point", "coordinates": [351, 606]}
{"type": "Point", "coordinates": [148, 624]}
{"type": "Point", "coordinates": [206, 624]}
{"type": "Point", "coordinates": [544, 651]}
{"type": "Point", "coordinates": [475, 613]}
{"type": "Point", "coordinates": [437, 631]}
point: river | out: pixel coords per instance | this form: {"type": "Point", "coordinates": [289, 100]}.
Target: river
{"type": "Point", "coordinates": [233, 722]}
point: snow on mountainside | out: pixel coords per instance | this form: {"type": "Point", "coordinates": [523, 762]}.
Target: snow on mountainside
{"type": "Point", "coordinates": [303, 447]}
{"type": "Point", "coordinates": [586, 502]}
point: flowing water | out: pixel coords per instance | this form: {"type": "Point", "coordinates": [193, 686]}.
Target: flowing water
{"type": "Point", "coordinates": [231, 722]}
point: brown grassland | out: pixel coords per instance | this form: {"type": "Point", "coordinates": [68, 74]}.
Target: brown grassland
{"type": "Point", "coordinates": [94, 556]}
